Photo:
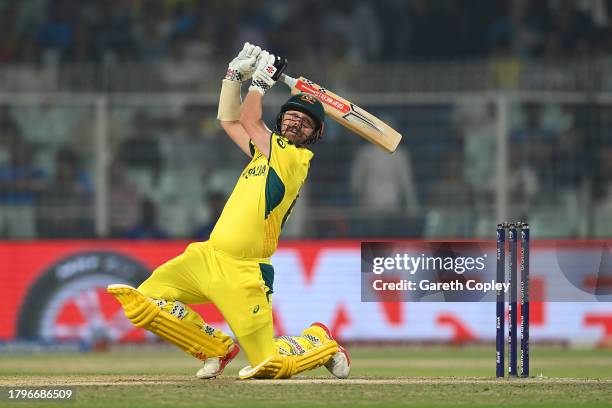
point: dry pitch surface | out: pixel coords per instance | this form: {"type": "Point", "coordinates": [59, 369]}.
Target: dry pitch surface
{"type": "Point", "coordinates": [381, 377]}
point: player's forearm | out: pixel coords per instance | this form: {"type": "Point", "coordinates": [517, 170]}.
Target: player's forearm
{"type": "Point", "coordinates": [268, 71]}
{"type": "Point", "coordinates": [229, 101]}
{"type": "Point", "coordinates": [251, 121]}
{"type": "Point", "coordinates": [251, 111]}
{"type": "Point", "coordinates": [229, 114]}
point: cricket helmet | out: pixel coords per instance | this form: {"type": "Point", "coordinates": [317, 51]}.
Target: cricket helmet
{"type": "Point", "coordinates": [308, 104]}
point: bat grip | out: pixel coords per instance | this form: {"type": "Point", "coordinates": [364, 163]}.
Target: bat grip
{"type": "Point", "coordinates": [289, 81]}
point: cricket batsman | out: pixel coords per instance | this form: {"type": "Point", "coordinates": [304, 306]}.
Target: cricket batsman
{"type": "Point", "coordinates": [232, 269]}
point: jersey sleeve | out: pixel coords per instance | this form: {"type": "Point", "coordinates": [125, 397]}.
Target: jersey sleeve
{"type": "Point", "coordinates": [288, 160]}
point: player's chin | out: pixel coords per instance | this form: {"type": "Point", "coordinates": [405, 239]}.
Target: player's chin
{"type": "Point", "coordinates": [293, 137]}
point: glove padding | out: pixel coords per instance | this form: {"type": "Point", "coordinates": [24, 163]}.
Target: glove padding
{"type": "Point", "coordinates": [268, 71]}
{"type": "Point", "coordinates": [242, 67]}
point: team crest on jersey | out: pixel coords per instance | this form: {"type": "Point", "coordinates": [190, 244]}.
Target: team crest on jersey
{"type": "Point", "coordinates": [282, 142]}
{"type": "Point", "coordinates": [308, 99]}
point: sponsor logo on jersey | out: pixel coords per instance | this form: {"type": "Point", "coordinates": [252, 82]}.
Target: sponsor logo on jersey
{"type": "Point", "coordinates": [255, 171]}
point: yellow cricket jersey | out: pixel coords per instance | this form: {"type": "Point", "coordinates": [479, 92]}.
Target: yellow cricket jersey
{"type": "Point", "coordinates": [252, 219]}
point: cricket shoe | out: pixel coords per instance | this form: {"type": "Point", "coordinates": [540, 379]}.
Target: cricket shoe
{"type": "Point", "coordinates": [214, 366]}
{"type": "Point", "coordinates": [340, 363]}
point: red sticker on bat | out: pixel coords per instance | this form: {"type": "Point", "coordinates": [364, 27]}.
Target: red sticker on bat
{"type": "Point", "coordinates": [323, 97]}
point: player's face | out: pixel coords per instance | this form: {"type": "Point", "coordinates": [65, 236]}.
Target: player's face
{"type": "Point", "coordinates": [297, 126]}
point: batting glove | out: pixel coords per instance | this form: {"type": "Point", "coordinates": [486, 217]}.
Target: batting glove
{"type": "Point", "coordinates": [268, 71]}
{"type": "Point", "coordinates": [242, 67]}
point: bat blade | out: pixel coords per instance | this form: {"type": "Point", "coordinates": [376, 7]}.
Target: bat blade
{"type": "Point", "coordinates": [348, 114]}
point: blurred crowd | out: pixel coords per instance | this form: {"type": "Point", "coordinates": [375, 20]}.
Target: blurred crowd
{"type": "Point", "coordinates": [166, 174]}
{"type": "Point", "coordinates": [169, 171]}
{"type": "Point", "coordinates": [150, 31]}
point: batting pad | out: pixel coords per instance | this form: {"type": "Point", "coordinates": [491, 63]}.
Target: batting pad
{"type": "Point", "coordinates": [144, 313]}
{"type": "Point", "coordinates": [282, 366]}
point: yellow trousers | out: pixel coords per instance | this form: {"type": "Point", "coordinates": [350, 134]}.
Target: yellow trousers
{"type": "Point", "coordinates": [240, 288]}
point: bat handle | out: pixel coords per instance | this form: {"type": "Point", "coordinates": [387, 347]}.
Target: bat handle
{"type": "Point", "coordinates": [289, 81]}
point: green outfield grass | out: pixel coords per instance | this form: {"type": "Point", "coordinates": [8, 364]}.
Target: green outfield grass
{"type": "Point", "coordinates": [381, 377]}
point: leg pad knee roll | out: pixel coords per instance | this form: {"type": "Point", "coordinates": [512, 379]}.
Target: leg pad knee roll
{"type": "Point", "coordinates": [143, 312]}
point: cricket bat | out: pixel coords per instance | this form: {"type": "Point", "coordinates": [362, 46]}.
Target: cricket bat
{"type": "Point", "coordinates": [348, 114]}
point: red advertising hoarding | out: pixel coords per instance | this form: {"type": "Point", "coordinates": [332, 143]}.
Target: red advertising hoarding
{"type": "Point", "coordinates": [55, 290]}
